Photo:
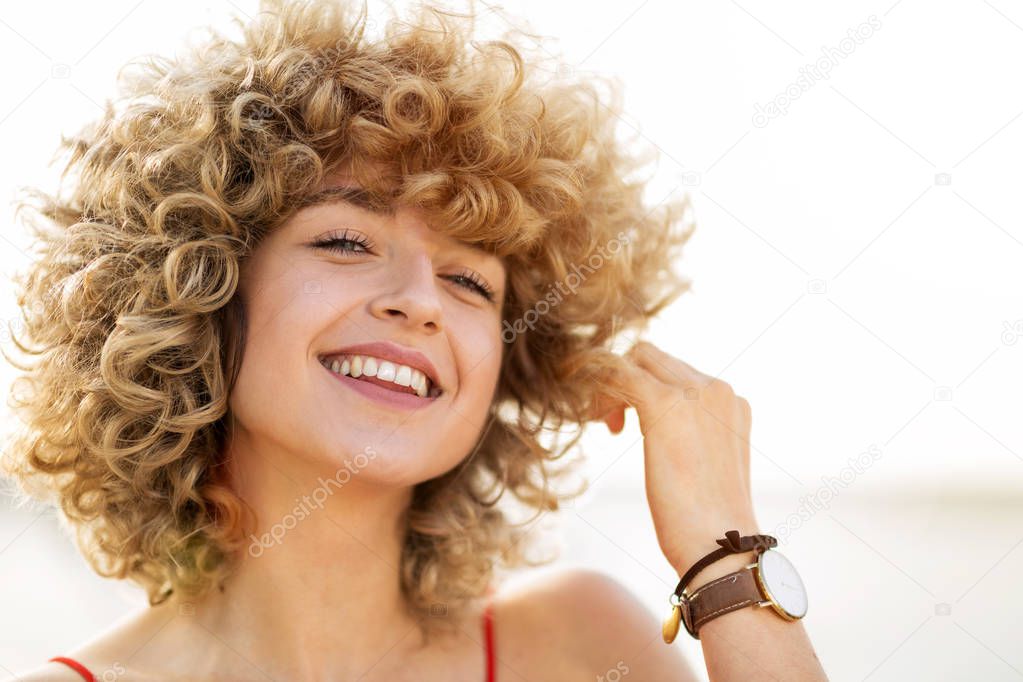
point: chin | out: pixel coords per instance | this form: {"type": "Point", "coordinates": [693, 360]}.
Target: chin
{"type": "Point", "coordinates": [391, 464]}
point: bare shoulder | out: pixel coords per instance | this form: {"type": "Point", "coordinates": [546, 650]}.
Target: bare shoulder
{"type": "Point", "coordinates": [105, 655]}
{"type": "Point", "coordinates": [50, 672]}
{"type": "Point", "coordinates": [87, 655]}
{"type": "Point", "coordinates": [563, 623]}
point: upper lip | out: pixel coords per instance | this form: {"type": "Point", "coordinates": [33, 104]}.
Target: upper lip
{"type": "Point", "coordinates": [385, 350]}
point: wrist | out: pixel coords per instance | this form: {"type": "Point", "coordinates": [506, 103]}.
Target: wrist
{"type": "Point", "coordinates": [706, 542]}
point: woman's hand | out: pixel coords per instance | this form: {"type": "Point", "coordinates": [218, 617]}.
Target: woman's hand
{"type": "Point", "coordinates": [696, 450]}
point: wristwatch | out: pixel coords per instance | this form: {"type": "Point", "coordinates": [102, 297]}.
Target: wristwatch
{"type": "Point", "coordinates": [770, 580]}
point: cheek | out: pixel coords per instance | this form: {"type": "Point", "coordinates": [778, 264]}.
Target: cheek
{"type": "Point", "coordinates": [480, 354]}
{"type": "Point", "coordinates": [279, 317]}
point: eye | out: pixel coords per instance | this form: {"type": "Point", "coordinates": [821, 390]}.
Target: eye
{"type": "Point", "coordinates": [342, 242]}
{"type": "Point", "coordinates": [473, 282]}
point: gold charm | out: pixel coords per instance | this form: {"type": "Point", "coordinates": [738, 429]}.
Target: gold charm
{"type": "Point", "coordinates": [671, 624]}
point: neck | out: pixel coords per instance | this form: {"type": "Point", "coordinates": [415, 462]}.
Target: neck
{"type": "Point", "coordinates": [316, 595]}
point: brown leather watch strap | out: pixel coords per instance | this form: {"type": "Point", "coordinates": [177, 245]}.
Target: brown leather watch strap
{"type": "Point", "coordinates": [720, 596]}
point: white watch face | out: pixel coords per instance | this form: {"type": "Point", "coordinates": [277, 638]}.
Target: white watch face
{"type": "Point", "coordinates": [783, 583]}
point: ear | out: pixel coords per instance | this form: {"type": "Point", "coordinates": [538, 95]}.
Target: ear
{"type": "Point", "coordinates": [609, 411]}
{"type": "Point", "coordinates": [615, 420]}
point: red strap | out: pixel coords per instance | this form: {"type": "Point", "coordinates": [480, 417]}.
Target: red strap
{"type": "Point", "coordinates": [488, 625]}
{"type": "Point", "coordinates": [76, 666]}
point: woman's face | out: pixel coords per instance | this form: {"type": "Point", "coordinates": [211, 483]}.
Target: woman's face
{"type": "Point", "coordinates": [337, 275]}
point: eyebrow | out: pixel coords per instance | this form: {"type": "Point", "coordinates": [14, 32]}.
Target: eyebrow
{"type": "Point", "coordinates": [366, 200]}
{"type": "Point", "coordinates": [355, 196]}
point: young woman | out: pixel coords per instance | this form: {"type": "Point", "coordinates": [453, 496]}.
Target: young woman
{"type": "Point", "coordinates": [314, 302]}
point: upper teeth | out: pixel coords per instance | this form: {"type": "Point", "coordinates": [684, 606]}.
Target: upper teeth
{"type": "Point", "coordinates": [359, 365]}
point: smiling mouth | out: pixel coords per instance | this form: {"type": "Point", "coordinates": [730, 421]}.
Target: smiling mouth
{"type": "Point", "coordinates": [418, 384]}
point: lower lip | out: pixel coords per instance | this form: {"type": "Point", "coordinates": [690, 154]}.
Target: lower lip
{"type": "Point", "coordinates": [384, 396]}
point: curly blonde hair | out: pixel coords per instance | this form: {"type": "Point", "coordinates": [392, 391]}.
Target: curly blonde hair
{"type": "Point", "coordinates": [132, 333]}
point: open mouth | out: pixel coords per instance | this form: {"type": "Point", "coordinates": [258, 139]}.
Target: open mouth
{"type": "Point", "coordinates": [390, 376]}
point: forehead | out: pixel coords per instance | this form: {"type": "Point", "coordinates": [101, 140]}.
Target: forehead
{"type": "Point", "coordinates": [352, 195]}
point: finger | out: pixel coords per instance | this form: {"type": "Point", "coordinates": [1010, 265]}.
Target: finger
{"type": "Point", "coordinates": [639, 387]}
{"type": "Point", "coordinates": [667, 368]}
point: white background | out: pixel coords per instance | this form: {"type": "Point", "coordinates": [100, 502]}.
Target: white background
{"type": "Point", "coordinates": [857, 278]}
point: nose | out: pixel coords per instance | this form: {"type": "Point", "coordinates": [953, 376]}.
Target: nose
{"type": "Point", "coordinates": [414, 295]}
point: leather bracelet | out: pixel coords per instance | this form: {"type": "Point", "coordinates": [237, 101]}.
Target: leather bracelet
{"type": "Point", "coordinates": [732, 543]}
{"type": "Point", "coordinates": [770, 580]}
